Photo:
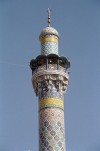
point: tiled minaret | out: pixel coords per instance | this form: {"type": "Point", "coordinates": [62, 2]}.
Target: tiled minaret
{"type": "Point", "coordinates": [50, 81]}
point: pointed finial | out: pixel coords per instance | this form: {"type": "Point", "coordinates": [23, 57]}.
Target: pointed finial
{"type": "Point", "coordinates": [49, 15]}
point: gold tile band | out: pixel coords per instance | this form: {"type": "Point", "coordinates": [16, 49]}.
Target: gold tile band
{"type": "Point", "coordinates": [49, 39]}
{"type": "Point", "coordinates": [51, 102]}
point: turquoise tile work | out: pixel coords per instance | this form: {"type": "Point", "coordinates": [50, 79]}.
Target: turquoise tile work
{"type": "Point", "coordinates": [49, 48]}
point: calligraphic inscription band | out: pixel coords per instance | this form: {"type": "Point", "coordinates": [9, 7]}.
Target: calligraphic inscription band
{"type": "Point", "coordinates": [51, 102]}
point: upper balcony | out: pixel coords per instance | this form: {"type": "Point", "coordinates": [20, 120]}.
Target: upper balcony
{"type": "Point", "coordinates": [50, 62]}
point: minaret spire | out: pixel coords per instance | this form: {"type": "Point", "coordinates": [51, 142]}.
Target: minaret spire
{"type": "Point", "coordinates": [50, 80]}
{"type": "Point", "coordinates": [49, 17]}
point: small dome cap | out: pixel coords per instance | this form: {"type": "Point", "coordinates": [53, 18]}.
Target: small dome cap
{"type": "Point", "coordinates": [49, 31]}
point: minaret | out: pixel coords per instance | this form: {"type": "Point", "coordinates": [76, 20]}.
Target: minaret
{"type": "Point", "coordinates": [50, 81]}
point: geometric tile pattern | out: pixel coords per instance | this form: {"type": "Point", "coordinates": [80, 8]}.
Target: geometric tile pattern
{"type": "Point", "coordinates": [49, 48]}
{"type": "Point", "coordinates": [51, 130]}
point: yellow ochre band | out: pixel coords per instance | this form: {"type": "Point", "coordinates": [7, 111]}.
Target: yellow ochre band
{"type": "Point", "coordinates": [49, 39]}
{"type": "Point", "coordinates": [51, 102]}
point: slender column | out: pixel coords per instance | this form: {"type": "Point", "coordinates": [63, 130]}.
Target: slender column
{"type": "Point", "coordinates": [58, 64]}
{"type": "Point", "coordinates": [46, 63]}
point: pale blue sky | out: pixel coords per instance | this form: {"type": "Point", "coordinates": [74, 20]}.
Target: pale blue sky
{"type": "Point", "coordinates": [78, 23]}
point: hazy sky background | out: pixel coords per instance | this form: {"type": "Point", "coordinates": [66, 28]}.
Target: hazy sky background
{"type": "Point", "coordinates": [78, 23]}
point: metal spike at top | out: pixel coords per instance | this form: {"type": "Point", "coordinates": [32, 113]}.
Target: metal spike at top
{"type": "Point", "coordinates": [49, 32]}
{"type": "Point", "coordinates": [49, 17]}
